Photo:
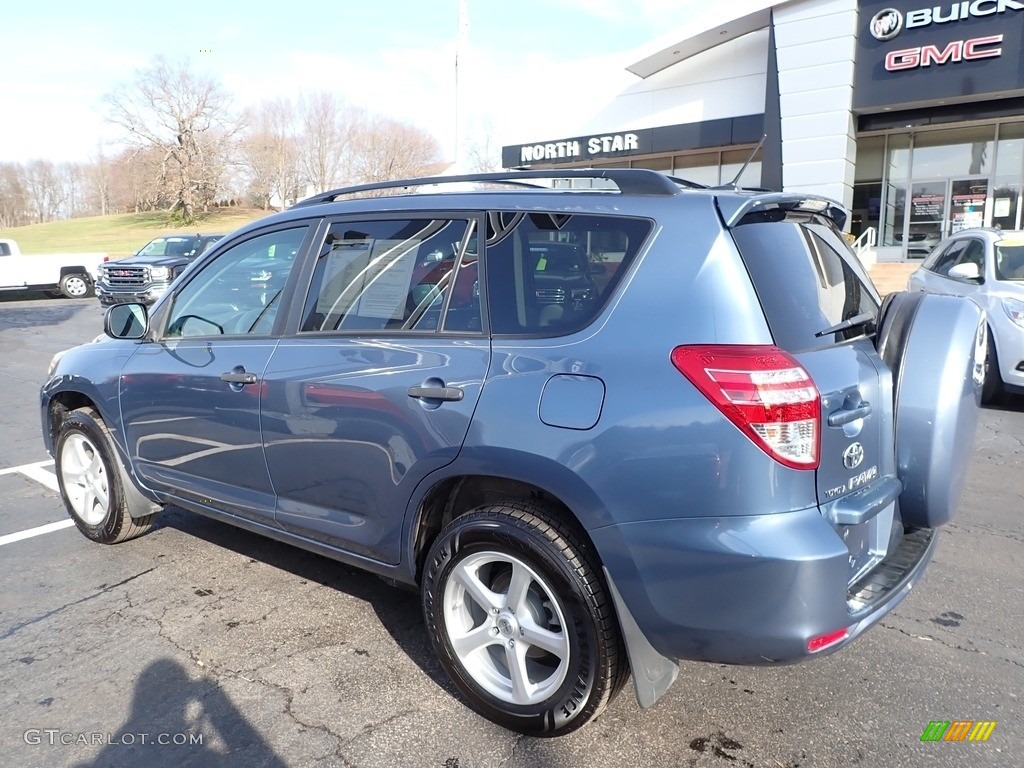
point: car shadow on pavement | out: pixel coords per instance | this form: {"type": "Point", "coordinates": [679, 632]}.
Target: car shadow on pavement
{"type": "Point", "coordinates": [177, 721]}
{"type": "Point", "coordinates": [397, 607]}
{"type": "Point", "coordinates": [1007, 402]}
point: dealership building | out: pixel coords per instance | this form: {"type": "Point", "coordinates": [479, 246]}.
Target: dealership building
{"type": "Point", "coordinates": [909, 112]}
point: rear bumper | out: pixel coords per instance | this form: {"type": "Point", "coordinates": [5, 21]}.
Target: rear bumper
{"type": "Point", "coordinates": [751, 590]}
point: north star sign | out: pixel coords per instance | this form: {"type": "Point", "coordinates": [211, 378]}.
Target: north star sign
{"type": "Point", "coordinates": [592, 145]}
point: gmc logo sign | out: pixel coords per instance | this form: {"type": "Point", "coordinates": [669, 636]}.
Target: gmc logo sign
{"type": "Point", "coordinates": [956, 51]}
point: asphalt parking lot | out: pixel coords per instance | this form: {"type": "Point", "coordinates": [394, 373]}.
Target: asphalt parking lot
{"type": "Point", "coordinates": [200, 644]}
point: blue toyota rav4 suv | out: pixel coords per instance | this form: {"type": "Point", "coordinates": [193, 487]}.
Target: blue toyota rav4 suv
{"type": "Point", "coordinates": [600, 429]}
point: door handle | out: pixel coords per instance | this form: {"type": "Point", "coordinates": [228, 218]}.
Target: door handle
{"type": "Point", "coordinates": [436, 393]}
{"type": "Point", "coordinates": [238, 376]}
{"type": "Point", "coordinates": [846, 415]}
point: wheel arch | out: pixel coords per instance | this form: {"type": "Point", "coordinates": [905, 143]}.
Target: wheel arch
{"type": "Point", "coordinates": [465, 485]}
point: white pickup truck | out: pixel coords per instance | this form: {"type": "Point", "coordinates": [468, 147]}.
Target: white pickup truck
{"type": "Point", "coordinates": [67, 274]}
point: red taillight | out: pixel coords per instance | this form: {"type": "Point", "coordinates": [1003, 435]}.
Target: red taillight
{"type": "Point", "coordinates": [824, 641]}
{"type": "Point", "coordinates": [763, 391]}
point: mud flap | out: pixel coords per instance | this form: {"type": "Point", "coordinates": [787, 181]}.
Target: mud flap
{"type": "Point", "coordinates": [931, 344]}
{"type": "Point", "coordinates": [653, 674]}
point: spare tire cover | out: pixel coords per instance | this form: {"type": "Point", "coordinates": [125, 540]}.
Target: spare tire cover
{"type": "Point", "coordinates": [934, 345]}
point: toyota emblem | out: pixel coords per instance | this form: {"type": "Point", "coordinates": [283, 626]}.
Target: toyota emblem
{"type": "Point", "coordinates": [853, 456]}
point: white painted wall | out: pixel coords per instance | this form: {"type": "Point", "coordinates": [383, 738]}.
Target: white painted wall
{"type": "Point", "coordinates": [726, 81]}
{"type": "Point", "coordinates": [816, 44]}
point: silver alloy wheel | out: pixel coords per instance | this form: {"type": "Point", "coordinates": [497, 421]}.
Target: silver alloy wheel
{"type": "Point", "coordinates": [85, 479]}
{"type": "Point", "coordinates": [76, 286]}
{"type": "Point", "coordinates": [507, 627]}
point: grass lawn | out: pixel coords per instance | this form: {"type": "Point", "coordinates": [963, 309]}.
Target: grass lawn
{"type": "Point", "coordinates": [120, 234]}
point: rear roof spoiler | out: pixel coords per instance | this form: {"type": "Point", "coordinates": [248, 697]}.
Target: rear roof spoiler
{"type": "Point", "coordinates": [735, 208]}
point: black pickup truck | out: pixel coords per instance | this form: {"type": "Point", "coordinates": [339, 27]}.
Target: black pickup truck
{"type": "Point", "coordinates": [145, 275]}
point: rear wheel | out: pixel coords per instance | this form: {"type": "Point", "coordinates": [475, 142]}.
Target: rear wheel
{"type": "Point", "coordinates": [520, 619]}
{"type": "Point", "coordinates": [75, 286]}
{"type": "Point", "coordinates": [94, 485]}
{"type": "Point", "coordinates": [992, 387]}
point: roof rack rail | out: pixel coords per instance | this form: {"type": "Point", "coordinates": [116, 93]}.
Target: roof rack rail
{"type": "Point", "coordinates": [630, 181]}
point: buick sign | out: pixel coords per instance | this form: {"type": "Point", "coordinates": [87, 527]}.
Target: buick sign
{"type": "Point", "coordinates": [885, 25]}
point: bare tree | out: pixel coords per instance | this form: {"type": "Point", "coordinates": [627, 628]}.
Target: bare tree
{"type": "Point", "coordinates": [98, 182]}
{"type": "Point", "coordinates": [327, 125]}
{"type": "Point", "coordinates": [389, 149]}
{"type": "Point", "coordinates": [138, 180]}
{"type": "Point", "coordinates": [483, 154]}
{"type": "Point", "coordinates": [269, 153]}
{"type": "Point", "coordinates": [15, 209]}
{"type": "Point", "coordinates": [184, 115]}
{"type": "Point", "coordinates": [46, 193]}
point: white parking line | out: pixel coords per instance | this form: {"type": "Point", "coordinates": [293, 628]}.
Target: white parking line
{"type": "Point", "coordinates": [23, 467]}
{"type": "Point", "coordinates": [48, 528]}
{"type": "Point", "coordinates": [35, 471]}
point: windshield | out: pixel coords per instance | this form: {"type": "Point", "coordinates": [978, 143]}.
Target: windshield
{"type": "Point", "coordinates": [1010, 260]}
{"type": "Point", "coordinates": [167, 246]}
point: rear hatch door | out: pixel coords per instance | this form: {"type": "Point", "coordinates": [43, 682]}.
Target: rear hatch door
{"type": "Point", "coordinates": [821, 308]}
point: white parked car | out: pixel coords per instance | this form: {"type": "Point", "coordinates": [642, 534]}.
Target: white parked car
{"type": "Point", "coordinates": [987, 266]}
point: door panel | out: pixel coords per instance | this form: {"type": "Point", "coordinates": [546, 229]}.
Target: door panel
{"type": "Point", "coordinates": [346, 444]}
{"type": "Point", "coordinates": [190, 401]}
{"type": "Point", "coordinates": [193, 434]}
{"type": "Point", "coordinates": [379, 387]}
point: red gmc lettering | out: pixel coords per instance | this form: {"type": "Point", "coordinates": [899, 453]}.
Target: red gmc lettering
{"type": "Point", "coordinates": [958, 50]}
{"type": "Point", "coordinates": [930, 53]}
{"type": "Point", "coordinates": [971, 47]}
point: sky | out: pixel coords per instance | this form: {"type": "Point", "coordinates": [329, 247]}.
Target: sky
{"type": "Point", "coordinates": [528, 70]}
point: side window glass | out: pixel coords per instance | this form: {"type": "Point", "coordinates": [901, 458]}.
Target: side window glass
{"type": "Point", "coordinates": [974, 253]}
{"type": "Point", "coordinates": [393, 275]}
{"type": "Point", "coordinates": [552, 273]}
{"type": "Point", "coordinates": [949, 257]}
{"type": "Point", "coordinates": [5, 249]}
{"type": "Point", "coordinates": [935, 257]}
{"type": "Point", "coordinates": [238, 293]}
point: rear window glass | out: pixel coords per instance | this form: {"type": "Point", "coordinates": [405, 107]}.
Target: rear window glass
{"type": "Point", "coordinates": [552, 273]}
{"type": "Point", "coordinates": [807, 280]}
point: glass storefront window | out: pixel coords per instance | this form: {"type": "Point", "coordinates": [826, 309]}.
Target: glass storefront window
{"type": "Point", "coordinates": [701, 167]}
{"type": "Point", "coordinates": [733, 160]}
{"type": "Point", "coordinates": [654, 163]}
{"type": "Point", "coordinates": [898, 163]}
{"type": "Point", "coordinates": [870, 158]}
{"type": "Point", "coordinates": [955, 152]}
{"type": "Point", "coordinates": [1010, 152]}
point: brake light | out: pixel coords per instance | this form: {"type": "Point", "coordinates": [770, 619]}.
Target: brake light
{"type": "Point", "coordinates": [765, 392]}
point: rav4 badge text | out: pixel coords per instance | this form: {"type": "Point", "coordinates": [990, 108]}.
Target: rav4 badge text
{"type": "Point", "coordinates": [853, 483]}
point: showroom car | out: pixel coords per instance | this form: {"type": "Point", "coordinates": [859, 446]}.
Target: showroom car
{"type": "Point", "coordinates": [986, 266]}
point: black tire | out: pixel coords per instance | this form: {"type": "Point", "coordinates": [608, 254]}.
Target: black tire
{"type": "Point", "coordinates": [87, 471]}
{"type": "Point", "coordinates": [563, 587]}
{"type": "Point", "coordinates": [76, 285]}
{"type": "Point", "coordinates": [992, 388]}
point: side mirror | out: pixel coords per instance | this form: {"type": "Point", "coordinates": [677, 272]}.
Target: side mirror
{"type": "Point", "coordinates": [126, 321]}
{"type": "Point", "coordinates": [965, 273]}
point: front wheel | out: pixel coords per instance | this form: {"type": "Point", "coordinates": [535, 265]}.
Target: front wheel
{"type": "Point", "coordinates": [992, 387]}
{"type": "Point", "coordinates": [75, 286]}
{"type": "Point", "coordinates": [521, 620]}
{"type": "Point", "coordinates": [93, 484]}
